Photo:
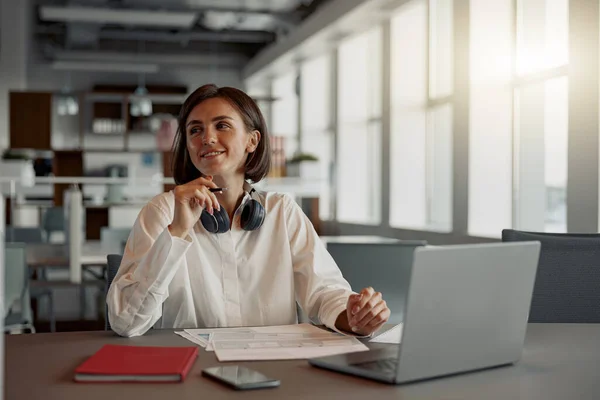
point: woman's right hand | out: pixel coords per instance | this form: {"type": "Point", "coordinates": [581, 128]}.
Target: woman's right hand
{"type": "Point", "coordinates": [190, 200]}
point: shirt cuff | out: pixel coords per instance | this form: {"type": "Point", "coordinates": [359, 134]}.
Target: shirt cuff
{"type": "Point", "coordinates": [332, 318]}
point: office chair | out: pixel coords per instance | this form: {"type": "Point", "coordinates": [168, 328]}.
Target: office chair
{"type": "Point", "coordinates": [113, 261]}
{"type": "Point", "coordinates": [53, 220]}
{"type": "Point", "coordinates": [567, 282]}
{"type": "Point", "coordinates": [16, 289]}
{"type": "Point", "coordinates": [34, 235]}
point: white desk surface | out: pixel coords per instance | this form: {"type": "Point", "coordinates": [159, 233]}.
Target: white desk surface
{"type": "Point", "coordinates": [358, 239]}
{"type": "Point", "coordinates": [57, 255]}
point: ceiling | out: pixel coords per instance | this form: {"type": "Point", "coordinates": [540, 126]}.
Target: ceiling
{"type": "Point", "coordinates": [184, 31]}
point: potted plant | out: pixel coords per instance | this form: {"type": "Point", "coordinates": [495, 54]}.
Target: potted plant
{"type": "Point", "coordinates": [304, 165]}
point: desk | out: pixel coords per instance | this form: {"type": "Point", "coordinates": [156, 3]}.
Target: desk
{"type": "Point", "coordinates": [40, 255]}
{"type": "Point", "coordinates": [49, 255]}
{"type": "Point", "coordinates": [354, 239]}
{"type": "Point", "coordinates": [560, 361]}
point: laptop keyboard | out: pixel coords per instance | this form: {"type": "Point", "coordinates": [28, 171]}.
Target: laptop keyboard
{"type": "Point", "coordinates": [387, 365]}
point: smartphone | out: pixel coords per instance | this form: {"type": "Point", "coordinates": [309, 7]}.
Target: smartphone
{"type": "Point", "coordinates": [240, 378]}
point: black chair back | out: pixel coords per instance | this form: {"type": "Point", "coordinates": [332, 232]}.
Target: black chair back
{"type": "Point", "coordinates": [567, 284]}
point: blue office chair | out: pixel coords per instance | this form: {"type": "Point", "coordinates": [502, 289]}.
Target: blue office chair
{"type": "Point", "coordinates": [113, 261]}
{"type": "Point", "coordinates": [567, 282]}
{"type": "Point", "coordinates": [53, 220]}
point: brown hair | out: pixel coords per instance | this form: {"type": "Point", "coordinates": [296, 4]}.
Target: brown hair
{"type": "Point", "coordinates": [258, 162]}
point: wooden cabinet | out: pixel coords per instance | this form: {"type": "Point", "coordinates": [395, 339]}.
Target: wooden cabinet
{"type": "Point", "coordinates": [66, 163]}
{"type": "Point", "coordinates": [95, 219]}
{"type": "Point", "coordinates": [30, 120]}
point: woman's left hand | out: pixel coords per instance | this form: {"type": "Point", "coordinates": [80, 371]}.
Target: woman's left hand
{"type": "Point", "coordinates": [366, 311]}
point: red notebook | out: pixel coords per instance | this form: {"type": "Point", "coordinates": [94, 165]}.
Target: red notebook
{"type": "Point", "coordinates": [113, 363]}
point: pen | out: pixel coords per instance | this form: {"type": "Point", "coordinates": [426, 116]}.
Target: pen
{"type": "Point", "coordinates": [217, 189]}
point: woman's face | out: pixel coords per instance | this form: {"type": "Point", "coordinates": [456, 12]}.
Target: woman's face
{"type": "Point", "coordinates": [217, 140]}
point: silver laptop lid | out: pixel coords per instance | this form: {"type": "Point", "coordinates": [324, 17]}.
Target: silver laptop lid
{"type": "Point", "coordinates": [467, 308]}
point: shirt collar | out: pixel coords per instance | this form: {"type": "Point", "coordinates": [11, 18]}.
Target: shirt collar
{"type": "Point", "coordinates": [247, 196]}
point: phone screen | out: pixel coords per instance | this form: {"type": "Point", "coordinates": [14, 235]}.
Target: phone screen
{"type": "Point", "coordinates": [240, 377]}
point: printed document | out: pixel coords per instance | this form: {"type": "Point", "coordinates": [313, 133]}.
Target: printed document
{"type": "Point", "coordinates": [392, 335]}
{"type": "Point", "coordinates": [285, 342]}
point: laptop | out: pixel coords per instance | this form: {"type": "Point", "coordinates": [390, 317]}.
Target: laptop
{"type": "Point", "coordinates": [467, 309]}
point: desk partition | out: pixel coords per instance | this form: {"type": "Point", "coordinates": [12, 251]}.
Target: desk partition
{"type": "Point", "coordinates": [382, 263]}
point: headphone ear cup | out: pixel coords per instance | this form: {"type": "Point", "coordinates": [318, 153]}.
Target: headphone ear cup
{"type": "Point", "coordinates": [253, 215]}
{"type": "Point", "coordinates": [209, 222]}
{"type": "Point", "coordinates": [218, 222]}
{"type": "Point", "coordinates": [222, 220]}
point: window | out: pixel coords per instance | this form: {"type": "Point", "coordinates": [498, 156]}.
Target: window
{"type": "Point", "coordinates": [261, 93]}
{"type": "Point", "coordinates": [542, 35]}
{"type": "Point", "coordinates": [421, 118]}
{"type": "Point", "coordinates": [490, 114]}
{"type": "Point", "coordinates": [316, 135]}
{"type": "Point", "coordinates": [285, 112]}
{"type": "Point", "coordinates": [359, 129]}
{"type": "Point", "coordinates": [541, 115]}
{"type": "Point", "coordinates": [519, 122]}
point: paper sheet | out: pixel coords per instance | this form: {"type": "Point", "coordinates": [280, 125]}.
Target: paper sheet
{"type": "Point", "coordinates": [284, 342]}
{"type": "Point", "coordinates": [197, 340]}
{"type": "Point", "coordinates": [281, 346]}
{"type": "Point", "coordinates": [204, 334]}
{"type": "Point", "coordinates": [393, 336]}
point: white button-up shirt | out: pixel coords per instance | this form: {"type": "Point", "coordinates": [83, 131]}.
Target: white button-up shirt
{"type": "Point", "coordinates": [237, 278]}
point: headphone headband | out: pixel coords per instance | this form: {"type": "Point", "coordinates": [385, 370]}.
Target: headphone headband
{"type": "Point", "coordinates": [251, 218]}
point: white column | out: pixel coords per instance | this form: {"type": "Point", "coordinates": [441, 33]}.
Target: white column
{"type": "Point", "coordinates": [2, 230]}
{"type": "Point", "coordinates": [14, 48]}
{"type": "Point", "coordinates": [333, 173]}
{"type": "Point", "coordinates": [386, 93]}
{"type": "Point", "coordinates": [298, 91]}
{"type": "Point", "coordinates": [530, 199]}
{"type": "Point", "coordinates": [529, 209]}
{"type": "Point", "coordinates": [582, 177]}
{"type": "Point", "coordinates": [460, 118]}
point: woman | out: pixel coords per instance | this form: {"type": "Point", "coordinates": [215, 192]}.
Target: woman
{"type": "Point", "coordinates": [250, 273]}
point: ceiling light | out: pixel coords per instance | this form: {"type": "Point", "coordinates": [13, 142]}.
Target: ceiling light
{"type": "Point", "coordinates": [105, 66]}
{"type": "Point", "coordinates": [141, 105]}
{"type": "Point", "coordinates": [122, 16]}
{"type": "Point", "coordinates": [67, 105]}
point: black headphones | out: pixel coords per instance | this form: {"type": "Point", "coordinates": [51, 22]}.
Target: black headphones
{"type": "Point", "coordinates": [253, 215]}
